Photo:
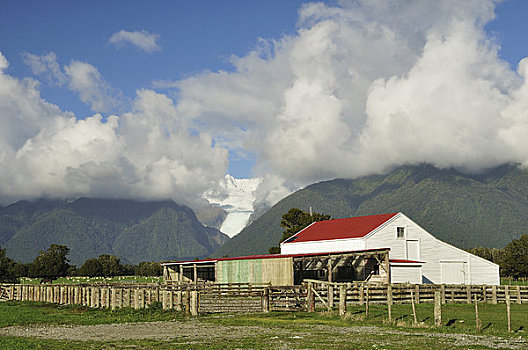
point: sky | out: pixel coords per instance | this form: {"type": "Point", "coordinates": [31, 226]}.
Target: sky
{"type": "Point", "coordinates": [151, 100]}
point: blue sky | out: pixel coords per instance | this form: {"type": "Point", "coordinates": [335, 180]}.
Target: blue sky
{"type": "Point", "coordinates": [231, 50]}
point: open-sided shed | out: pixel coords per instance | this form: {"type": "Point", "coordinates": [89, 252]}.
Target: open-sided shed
{"type": "Point", "coordinates": [284, 269]}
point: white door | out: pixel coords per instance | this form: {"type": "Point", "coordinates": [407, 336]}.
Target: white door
{"type": "Point", "coordinates": [413, 250]}
{"type": "Point", "coordinates": [453, 272]}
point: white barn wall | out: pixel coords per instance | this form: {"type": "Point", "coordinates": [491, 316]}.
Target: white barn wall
{"type": "Point", "coordinates": [405, 273]}
{"type": "Point", "coordinates": [432, 252]}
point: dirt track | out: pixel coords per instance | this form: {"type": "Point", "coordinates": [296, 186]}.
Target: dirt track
{"type": "Point", "coordinates": [194, 330]}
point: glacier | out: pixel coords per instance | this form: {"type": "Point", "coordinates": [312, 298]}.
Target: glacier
{"type": "Point", "coordinates": [237, 198]}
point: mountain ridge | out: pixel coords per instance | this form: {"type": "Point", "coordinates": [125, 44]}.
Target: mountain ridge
{"type": "Point", "coordinates": [134, 231]}
{"type": "Point", "coordinates": [464, 210]}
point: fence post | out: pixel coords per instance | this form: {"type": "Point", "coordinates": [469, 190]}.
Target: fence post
{"type": "Point", "coordinates": [477, 320]}
{"type": "Point", "coordinates": [164, 299]}
{"type": "Point", "coordinates": [438, 309]}
{"type": "Point", "coordinates": [417, 293]}
{"type": "Point", "coordinates": [389, 301]}
{"type": "Point", "coordinates": [179, 300]}
{"type": "Point", "coordinates": [194, 303]}
{"type": "Point", "coordinates": [442, 294]}
{"type": "Point", "coordinates": [518, 294]}
{"type": "Point", "coordinates": [415, 319]}
{"type": "Point", "coordinates": [187, 301]}
{"type": "Point", "coordinates": [367, 302]}
{"type": "Point", "coordinates": [494, 294]}
{"type": "Point", "coordinates": [309, 294]}
{"type": "Point", "coordinates": [468, 293]}
{"type": "Point", "coordinates": [508, 311]}
{"type": "Point", "coordinates": [362, 294]}
{"type": "Point", "coordinates": [342, 300]}
{"type": "Point", "coordinates": [266, 300]}
{"type": "Point", "coordinates": [330, 296]}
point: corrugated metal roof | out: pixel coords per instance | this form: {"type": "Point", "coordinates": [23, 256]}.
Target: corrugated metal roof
{"type": "Point", "coordinates": [269, 256]}
{"type": "Point", "coordinates": [355, 227]}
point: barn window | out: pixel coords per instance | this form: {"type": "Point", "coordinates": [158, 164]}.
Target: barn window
{"type": "Point", "coordinates": [400, 232]}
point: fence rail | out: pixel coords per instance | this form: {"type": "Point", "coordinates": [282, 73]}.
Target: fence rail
{"type": "Point", "coordinates": [209, 298]}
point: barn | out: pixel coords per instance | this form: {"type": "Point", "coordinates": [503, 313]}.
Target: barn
{"type": "Point", "coordinates": [415, 255]}
{"type": "Point", "coordinates": [377, 248]}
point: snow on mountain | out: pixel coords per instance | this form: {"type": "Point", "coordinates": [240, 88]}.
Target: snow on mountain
{"type": "Point", "coordinates": [236, 197]}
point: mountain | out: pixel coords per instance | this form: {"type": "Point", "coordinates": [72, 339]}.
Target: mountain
{"type": "Point", "coordinates": [489, 209]}
{"type": "Point", "coordinates": [132, 230]}
{"type": "Point", "coordinates": [236, 197]}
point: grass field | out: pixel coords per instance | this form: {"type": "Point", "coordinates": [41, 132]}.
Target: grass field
{"type": "Point", "coordinates": [266, 331]}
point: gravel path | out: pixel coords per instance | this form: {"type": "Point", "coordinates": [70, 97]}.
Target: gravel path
{"type": "Point", "coordinates": [205, 331]}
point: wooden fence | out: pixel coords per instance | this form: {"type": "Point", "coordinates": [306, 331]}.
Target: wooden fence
{"type": "Point", "coordinates": [328, 295]}
{"type": "Point", "coordinates": [188, 298]}
{"type": "Point", "coordinates": [208, 298]}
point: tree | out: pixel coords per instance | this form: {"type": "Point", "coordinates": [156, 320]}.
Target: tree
{"type": "Point", "coordinates": [6, 267]}
{"type": "Point", "coordinates": [294, 221]}
{"type": "Point", "coordinates": [51, 263]}
{"type": "Point", "coordinates": [149, 268]}
{"type": "Point", "coordinates": [491, 254]}
{"type": "Point", "coordinates": [111, 265]}
{"type": "Point", "coordinates": [514, 258]}
{"type": "Point", "coordinates": [91, 268]}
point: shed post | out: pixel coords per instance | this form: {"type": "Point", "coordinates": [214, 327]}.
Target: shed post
{"type": "Point", "coordinates": [330, 286]}
{"type": "Point", "coordinates": [195, 274]}
{"type": "Point", "coordinates": [180, 276]}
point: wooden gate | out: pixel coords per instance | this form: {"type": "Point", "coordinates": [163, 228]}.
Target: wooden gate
{"type": "Point", "coordinates": [212, 301]}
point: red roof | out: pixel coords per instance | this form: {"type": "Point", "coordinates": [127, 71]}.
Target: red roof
{"type": "Point", "coordinates": [404, 261]}
{"type": "Point", "coordinates": [355, 227]}
{"type": "Point", "coordinates": [269, 256]}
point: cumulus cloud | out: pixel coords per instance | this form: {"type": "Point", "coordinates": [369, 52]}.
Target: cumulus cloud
{"type": "Point", "coordinates": [143, 40]}
{"type": "Point", "coordinates": [147, 153]}
{"type": "Point", "coordinates": [364, 86]}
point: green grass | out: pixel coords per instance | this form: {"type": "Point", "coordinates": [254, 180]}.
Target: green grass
{"type": "Point", "coordinates": [510, 281]}
{"type": "Point", "coordinates": [25, 313]}
{"type": "Point", "coordinates": [290, 330]}
{"type": "Point", "coordinates": [81, 279]}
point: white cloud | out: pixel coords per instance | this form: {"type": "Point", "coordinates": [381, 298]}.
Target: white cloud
{"type": "Point", "coordinates": [365, 86]}
{"type": "Point", "coordinates": [148, 153]}
{"type": "Point", "coordinates": [82, 78]}
{"type": "Point", "coordinates": [47, 66]}
{"type": "Point", "coordinates": [143, 40]}
{"type": "Point", "coordinates": [87, 82]}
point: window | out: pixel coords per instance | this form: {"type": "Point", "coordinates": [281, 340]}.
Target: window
{"type": "Point", "coordinates": [400, 232]}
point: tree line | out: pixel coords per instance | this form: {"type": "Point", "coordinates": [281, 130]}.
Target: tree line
{"type": "Point", "coordinates": [512, 259]}
{"type": "Point", "coordinates": [53, 263]}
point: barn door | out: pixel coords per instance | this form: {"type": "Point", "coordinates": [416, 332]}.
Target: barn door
{"type": "Point", "coordinates": [453, 272]}
{"type": "Point", "coordinates": [413, 250]}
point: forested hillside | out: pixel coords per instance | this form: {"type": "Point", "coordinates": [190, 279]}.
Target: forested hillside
{"type": "Point", "coordinates": [132, 230]}
{"type": "Point", "coordinates": [489, 209]}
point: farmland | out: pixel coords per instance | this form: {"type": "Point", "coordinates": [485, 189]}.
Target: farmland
{"type": "Point", "coordinates": [49, 326]}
